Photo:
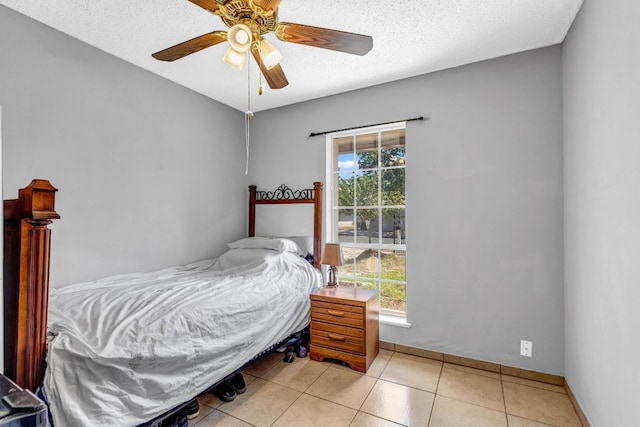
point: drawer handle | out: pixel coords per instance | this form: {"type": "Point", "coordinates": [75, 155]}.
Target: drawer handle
{"type": "Point", "coordinates": [336, 313]}
{"type": "Point", "coordinates": [336, 337]}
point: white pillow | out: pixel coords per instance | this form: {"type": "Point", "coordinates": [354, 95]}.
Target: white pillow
{"type": "Point", "coordinates": [305, 243]}
{"type": "Point", "coordinates": [280, 245]}
{"type": "Point", "coordinates": [238, 257]}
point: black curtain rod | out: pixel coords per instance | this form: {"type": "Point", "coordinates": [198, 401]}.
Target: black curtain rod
{"type": "Point", "coordinates": [364, 126]}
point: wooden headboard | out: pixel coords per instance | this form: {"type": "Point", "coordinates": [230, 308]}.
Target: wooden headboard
{"type": "Point", "coordinates": [26, 281]}
{"type": "Point", "coordinates": [285, 195]}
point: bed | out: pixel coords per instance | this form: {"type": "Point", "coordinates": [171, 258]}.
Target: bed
{"type": "Point", "coordinates": [129, 350]}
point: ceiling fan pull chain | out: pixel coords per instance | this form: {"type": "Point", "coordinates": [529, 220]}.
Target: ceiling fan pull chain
{"type": "Point", "coordinates": [261, 87]}
{"type": "Point", "coordinates": [247, 119]}
{"type": "Point", "coordinates": [248, 86]}
{"type": "Point", "coordinates": [247, 135]}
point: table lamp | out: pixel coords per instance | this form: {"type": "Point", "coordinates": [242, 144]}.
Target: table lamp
{"type": "Point", "coordinates": [332, 256]}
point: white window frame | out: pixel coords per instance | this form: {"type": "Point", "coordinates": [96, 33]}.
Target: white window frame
{"type": "Point", "coordinates": [392, 319]}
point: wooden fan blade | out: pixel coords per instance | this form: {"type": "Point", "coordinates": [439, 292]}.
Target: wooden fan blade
{"type": "Point", "coordinates": [210, 5]}
{"type": "Point", "coordinates": [267, 4]}
{"type": "Point", "coordinates": [325, 38]}
{"type": "Point", "coordinates": [191, 46]}
{"type": "Point", "coordinates": [275, 76]}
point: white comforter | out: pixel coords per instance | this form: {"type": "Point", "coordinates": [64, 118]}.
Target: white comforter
{"type": "Point", "coordinates": [125, 349]}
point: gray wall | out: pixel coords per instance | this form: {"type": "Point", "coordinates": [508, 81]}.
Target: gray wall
{"type": "Point", "coordinates": [150, 174]}
{"type": "Point", "coordinates": [601, 64]}
{"type": "Point", "coordinates": [484, 196]}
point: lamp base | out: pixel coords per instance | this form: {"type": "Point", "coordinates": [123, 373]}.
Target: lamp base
{"type": "Point", "coordinates": [332, 283]}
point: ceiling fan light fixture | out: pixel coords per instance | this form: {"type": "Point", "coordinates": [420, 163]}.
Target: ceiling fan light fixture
{"type": "Point", "coordinates": [248, 21]}
{"type": "Point", "coordinates": [239, 37]}
{"type": "Point", "coordinates": [234, 58]}
{"type": "Point", "coordinates": [269, 54]}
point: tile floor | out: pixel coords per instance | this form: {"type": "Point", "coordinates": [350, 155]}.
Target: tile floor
{"type": "Point", "coordinates": [398, 390]}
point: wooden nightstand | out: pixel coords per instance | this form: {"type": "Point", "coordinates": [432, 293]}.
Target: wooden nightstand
{"type": "Point", "coordinates": [344, 326]}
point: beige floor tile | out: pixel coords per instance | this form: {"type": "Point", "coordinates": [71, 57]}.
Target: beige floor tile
{"type": "Point", "coordinates": [338, 364]}
{"type": "Point", "coordinates": [385, 352]}
{"type": "Point", "coordinates": [298, 375]}
{"type": "Point", "coordinates": [373, 371]}
{"type": "Point", "coordinates": [367, 420]}
{"type": "Point", "coordinates": [396, 391]}
{"type": "Point", "coordinates": [398, 403]}
{"type": "Point", "coordinates": [379, 363]}
{"type": "Point", "coordinates": [210, 400]}
{"type": "Point", "coordinates": [204, 412]}
{"type": "Point", "coordinates": [413, 371]}
{"type": "Point", "coordinates": [263, 364]}
{"type": "Point", "coordinates": [471, 388]}
{"type": "Point", "coordinates": [539, 405]}
{"type": "Point", "coordinates": [309, 411]}
{"type": "Point", "coordinates": [454, 413]}
{"type": "Point", "coordinates": [521, 422]}
{"type": "Point", "coordinates": [536, 384]}
{"type": "Point", "coordinates": [248, 378]}
{"type": "Point", "coordinates": [219, 419]}
{"type": "Point", "coordinates": [469, 370]}
{"type": "Point", "coordinates": [262, 403]}
{"type": "Point", "coordinates": [348, 388]}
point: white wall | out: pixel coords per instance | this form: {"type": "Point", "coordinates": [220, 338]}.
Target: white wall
{"type": "Point", "coordinates": [601, 64]}
{"type": "Point", "coordinates": [150, 174]}
{"type": "Point", "coordinates": [484, 197]}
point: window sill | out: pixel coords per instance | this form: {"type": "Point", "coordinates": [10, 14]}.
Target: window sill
{"type": "Point", "coordinates": [398, 321]}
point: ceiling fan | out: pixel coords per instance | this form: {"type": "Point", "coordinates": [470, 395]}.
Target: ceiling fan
{"type": "Point", "coordinates": [248, 22]}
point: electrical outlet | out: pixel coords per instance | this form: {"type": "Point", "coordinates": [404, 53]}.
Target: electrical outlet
{"type": "Point", "coordinates": [526, 348]}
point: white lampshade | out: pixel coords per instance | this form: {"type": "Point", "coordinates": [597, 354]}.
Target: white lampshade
{"type": "Point", "coordinates": [269, 54]}
{"type": "Point", "coordinates": [239, 37]}
{"type": "Point", "coordinates": [234, 58]}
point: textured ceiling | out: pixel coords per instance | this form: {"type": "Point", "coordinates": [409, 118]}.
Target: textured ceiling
{"type": "Point", "coordinates": [409, 38]}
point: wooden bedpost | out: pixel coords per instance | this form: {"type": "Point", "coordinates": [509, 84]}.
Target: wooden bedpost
{"type": "Point", "coordinates": [252, 210]}
{"type": "Point", "coordinates": [26, 281]}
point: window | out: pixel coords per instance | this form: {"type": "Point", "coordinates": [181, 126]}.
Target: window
{"type": "Point", "coordinates": [366, 210]}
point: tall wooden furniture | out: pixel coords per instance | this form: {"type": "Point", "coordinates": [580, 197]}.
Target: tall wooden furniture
{"type": "Point", "coordinates": [344, 326]}
{"type": "Point", "coordinates": [26, 281]}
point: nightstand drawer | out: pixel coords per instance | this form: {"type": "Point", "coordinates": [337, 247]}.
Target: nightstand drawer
{"type": "Point", "coordinates": [341, 314]}
{"type": "Point", "coordinates": [342, 330]}
{"type": "Point", "coordinates": [338, 341]}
